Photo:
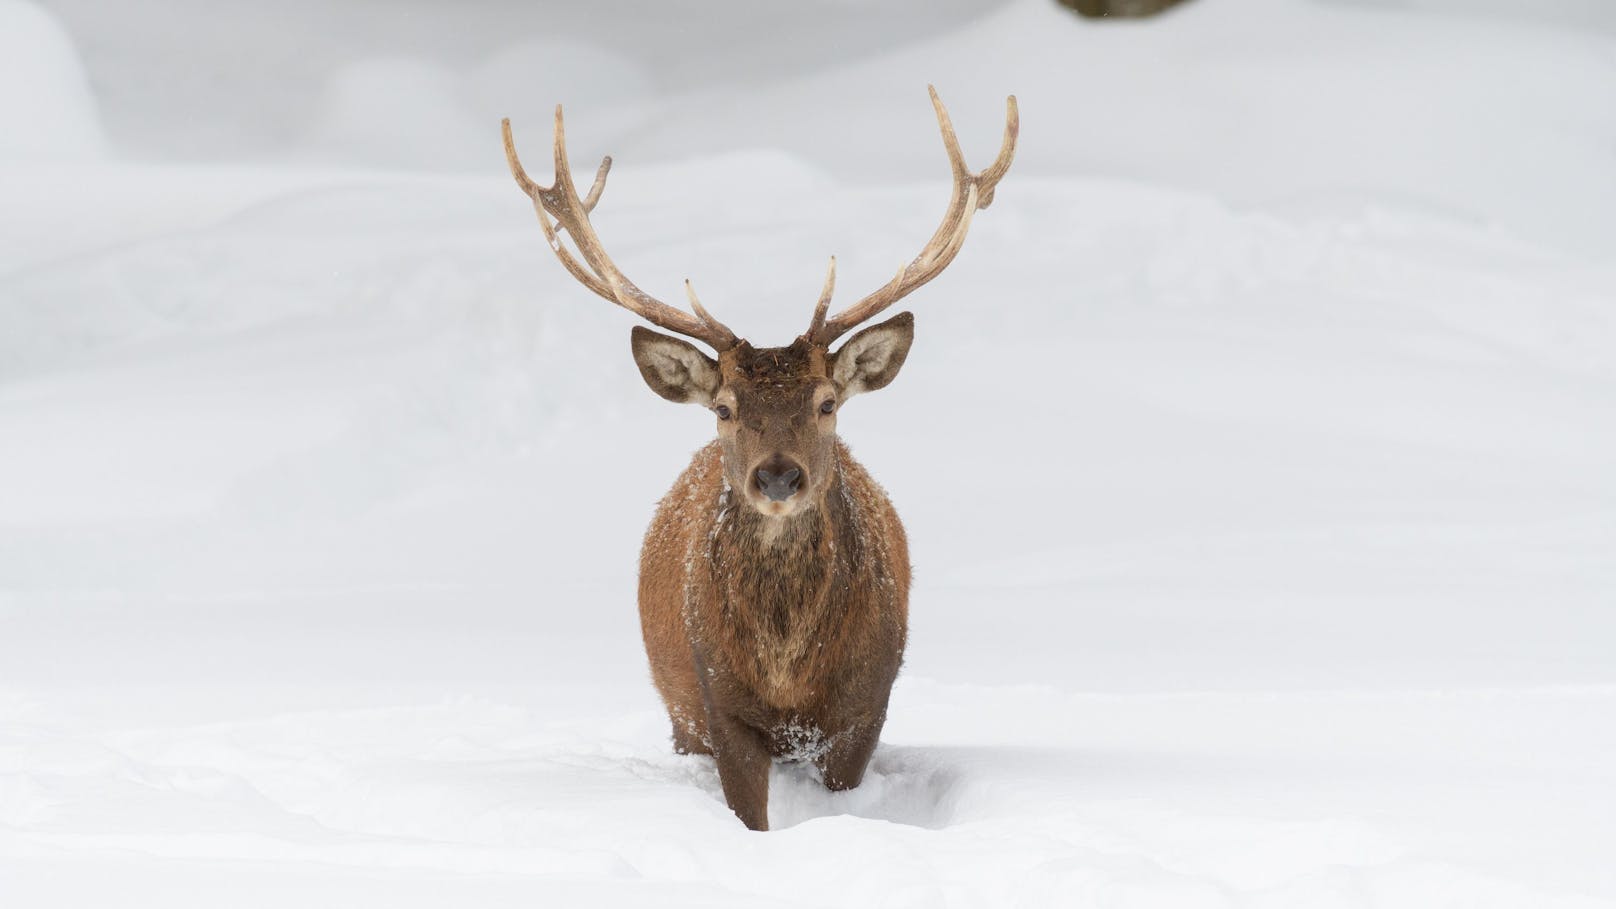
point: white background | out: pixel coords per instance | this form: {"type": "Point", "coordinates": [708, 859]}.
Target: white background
{"type": "Point", "coordinates": [1258, 453]}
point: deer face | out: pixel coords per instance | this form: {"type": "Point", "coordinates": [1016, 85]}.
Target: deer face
{"type": "Point", "coordinates": [776, 407]}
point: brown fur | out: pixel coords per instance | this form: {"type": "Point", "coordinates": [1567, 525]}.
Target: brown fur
{"type": "Point", "coordinates": [775, 636]}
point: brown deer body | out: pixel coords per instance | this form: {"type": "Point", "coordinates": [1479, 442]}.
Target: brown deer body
{"type": "Point", "coordinates": [775, 637]}
{"type": "Point", "coordinates": [774, 579]}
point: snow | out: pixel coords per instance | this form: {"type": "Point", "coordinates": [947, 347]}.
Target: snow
{"type": "Point", "coordinates": [1255, 453]}
{"type": "Point", "coordinates": [46, 110]}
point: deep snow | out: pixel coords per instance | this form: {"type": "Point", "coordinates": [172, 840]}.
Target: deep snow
{"type": "Point", "coordinates": [1256, 455]}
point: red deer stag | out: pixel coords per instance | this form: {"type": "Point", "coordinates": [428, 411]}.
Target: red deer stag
{"type": "Point", "coordinates": [774, 579]}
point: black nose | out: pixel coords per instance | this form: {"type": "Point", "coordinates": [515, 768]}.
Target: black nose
{"type": "Point", "coordinates": [778, 479]}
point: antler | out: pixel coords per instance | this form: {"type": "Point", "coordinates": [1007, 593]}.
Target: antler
{"type": "Point", "coordinates": [971, 192]}
{"type": "Point", "coordinates": [602, 276]}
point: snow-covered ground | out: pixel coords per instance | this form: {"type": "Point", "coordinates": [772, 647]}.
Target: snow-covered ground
{"type": "Point", "coordinates": [1258, 453]}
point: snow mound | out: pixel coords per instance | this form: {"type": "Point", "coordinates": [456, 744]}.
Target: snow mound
{"type": "Point", "coordinates": [902, 785]}
{"type": "Point", "coordinates": [416, 112]}
{"type": "Point", "coordinates": [46, 108]}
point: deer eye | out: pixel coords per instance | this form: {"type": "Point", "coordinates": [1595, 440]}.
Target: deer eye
{"type": "Point", "coordinates": [828, 406]}
{"type": "Point", "coordinates": [723, 411]}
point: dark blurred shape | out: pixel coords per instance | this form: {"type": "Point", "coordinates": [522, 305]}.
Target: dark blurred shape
{"type": "Point", "coordinates": [1129, 9]}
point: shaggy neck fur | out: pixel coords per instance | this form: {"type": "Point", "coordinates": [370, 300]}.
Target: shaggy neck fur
{"type": "Point", "coordinates": [775, 579]}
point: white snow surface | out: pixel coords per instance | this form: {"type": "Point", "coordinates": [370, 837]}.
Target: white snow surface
{"type": "Point", "coordinates": [1258, 453]}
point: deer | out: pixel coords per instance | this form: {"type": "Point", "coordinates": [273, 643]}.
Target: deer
{"type": "Point", "coordinates": [774, 576]}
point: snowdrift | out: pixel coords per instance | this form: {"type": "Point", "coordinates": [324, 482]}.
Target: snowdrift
{"type": "Point", "coordinates": [46, 109]}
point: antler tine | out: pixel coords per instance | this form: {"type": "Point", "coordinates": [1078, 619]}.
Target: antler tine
{"type": "Point", "coordinates": [971, 191]}
{"type": "Point", "coordinates": [599, 185]}
{"type": "Point", "coordinates": [560, 200]}
{"type": "Point", "coordinates": [514, 162]}
{"type": "Point", "coordinates": [696, 307]}
{"type": "Point", "coordinates": [564, 184]}
{"type": "Point", "coordinates": [945, 124]}
{"type": "Point", "coordinates": [817, 325]}
{"type": "Point", "coordinates": [989, 179]}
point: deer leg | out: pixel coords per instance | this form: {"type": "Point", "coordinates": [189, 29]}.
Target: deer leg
{"type": "Point", "coordinates": [842, 765]}
{"type": "Point", "coordinates": [689, 733]}
{"type": "Point", "coordinates": [687, 741]}
{"type": "Point", "coordinates": [743, 769]}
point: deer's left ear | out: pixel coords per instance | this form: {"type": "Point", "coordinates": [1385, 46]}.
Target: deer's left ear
{"type": "Point", "coordinates": [871, 359]}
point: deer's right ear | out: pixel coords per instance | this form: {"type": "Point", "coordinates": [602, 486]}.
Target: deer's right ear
{"type": "Point", "coordinates": [674, 369]}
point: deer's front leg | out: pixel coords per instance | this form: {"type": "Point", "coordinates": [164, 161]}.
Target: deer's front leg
{"type": "Point", "coordinates": [743, 768]}
{"type": "Point", "coordinates": [842, 765]}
